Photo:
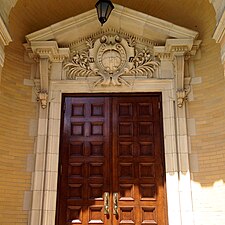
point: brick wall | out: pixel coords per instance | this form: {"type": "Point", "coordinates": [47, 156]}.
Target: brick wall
{"type": "Point", "coordinates": [208, 143]}
{"type": "Point", "coordinates": [16, 110]}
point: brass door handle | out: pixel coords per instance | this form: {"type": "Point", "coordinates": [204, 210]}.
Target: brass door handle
{"type": "Point", "coordinates": [115, 203]}
{"type": "Point", "coordinates": [106, 203]}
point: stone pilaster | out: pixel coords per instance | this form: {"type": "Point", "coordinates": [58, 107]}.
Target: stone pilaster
{"type": "Point", "coordinates": [175, 60]}
{"type": "Point", "coordinates": [47, 55]}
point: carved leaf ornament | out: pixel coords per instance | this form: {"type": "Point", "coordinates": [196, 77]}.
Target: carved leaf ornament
{"type": "Point", "coordinates": [79, 66]}
{"type": "Point", "coordinates": [111, 58]}
{"type": "Point", "coordinates": [144, 64]}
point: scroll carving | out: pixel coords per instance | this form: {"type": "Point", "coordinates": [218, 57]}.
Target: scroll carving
{"type": "Point", "coordinates": [111, 58]}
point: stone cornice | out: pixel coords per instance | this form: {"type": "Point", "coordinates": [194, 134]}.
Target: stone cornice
{"type": "Point", "coordinates": [50, 50]}
{"type": "Point", "coordinates": [177, 47]}
{"type": "Point", "coordinates": [219, 6]}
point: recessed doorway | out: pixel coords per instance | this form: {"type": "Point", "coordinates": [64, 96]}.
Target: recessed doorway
{"type": "Point", "coordinates": [111, 168]}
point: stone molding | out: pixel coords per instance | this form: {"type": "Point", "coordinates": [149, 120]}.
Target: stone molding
{"type": "Point", "coordinates": [219, 6]}
{"type": "Point", "coordinates": [5, 9]}
{"type": "Point", "coordinates": [220, 29]}
{"type": "Point", "coordinates": [219, 36]}
{"type": "Point", "coordinates": [5, 39]}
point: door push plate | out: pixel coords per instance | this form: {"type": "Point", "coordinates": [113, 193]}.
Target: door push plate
{"type": "Point", "coordinates": [106, 203]}
{"type": "Point", "coordinates": [115, 203]}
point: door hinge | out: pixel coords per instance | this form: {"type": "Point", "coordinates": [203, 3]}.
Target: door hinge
{"type": "Point", "coordinates": [159, 105]}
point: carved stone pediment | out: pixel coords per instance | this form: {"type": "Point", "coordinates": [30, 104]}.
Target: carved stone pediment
{"type": "Point", "coordinates": [112, 58]}
{"type": "Point", "coordinates": [130, 47]}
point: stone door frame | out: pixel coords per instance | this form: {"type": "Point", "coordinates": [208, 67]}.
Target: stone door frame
{"type": "Point", "coordinates": [178, 182]}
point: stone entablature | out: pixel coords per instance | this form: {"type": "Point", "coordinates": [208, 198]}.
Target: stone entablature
{"type": "Point", "coordinates": [114, 60]}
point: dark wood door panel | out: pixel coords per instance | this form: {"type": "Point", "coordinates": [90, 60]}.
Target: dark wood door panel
{"type": "Point", "coordinates": [111, 144]}
{"type": "Point", "coordinates": [84, 158]}
{"type": "Point", "coordinates": [138, 166]}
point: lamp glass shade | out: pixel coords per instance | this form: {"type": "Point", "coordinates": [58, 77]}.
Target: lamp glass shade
{"type": "Point", "coordinates": [104, 8]}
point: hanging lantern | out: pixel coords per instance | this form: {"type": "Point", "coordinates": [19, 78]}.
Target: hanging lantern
{"type": "Point", "coordinates": [104, 8]}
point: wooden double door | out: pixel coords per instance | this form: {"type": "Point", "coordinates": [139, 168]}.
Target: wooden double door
{"type": "Point", "coordinates": [111, 161]}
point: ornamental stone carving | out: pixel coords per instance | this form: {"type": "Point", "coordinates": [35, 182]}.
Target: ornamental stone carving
{"type": "Point", "coordinates": [111, 58]}
{"type": "Point", "coordinates": [45, 53]}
